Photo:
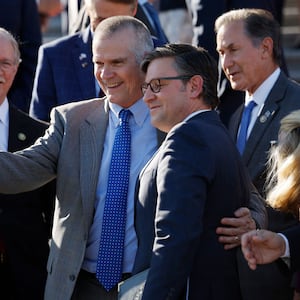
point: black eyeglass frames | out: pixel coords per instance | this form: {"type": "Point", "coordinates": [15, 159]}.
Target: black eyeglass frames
{"type": "Point", "coordinates": [155, 84]}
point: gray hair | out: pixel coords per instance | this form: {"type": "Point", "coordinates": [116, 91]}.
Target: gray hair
{"type": "Point", "coordinates": [143, 42]}
{"type": "Point", "coordinates": [10, 38]}
{"type": "Point", "coordinates": [258, 24]}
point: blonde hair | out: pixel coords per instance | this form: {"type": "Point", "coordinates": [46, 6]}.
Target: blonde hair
{"type": "Point", "coordinates": [283, 188]}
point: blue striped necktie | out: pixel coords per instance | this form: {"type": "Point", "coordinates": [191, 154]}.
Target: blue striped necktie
{"type": "Point", "coordinates": [246, 117]}
{"type": "Point", "coordinates": [111, 248]}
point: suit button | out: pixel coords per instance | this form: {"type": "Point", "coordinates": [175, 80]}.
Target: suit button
{"type": "Point", "coordinates": [72, 277]}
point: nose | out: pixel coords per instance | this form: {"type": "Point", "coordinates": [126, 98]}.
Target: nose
{"type": "Point", "coordinates": [148, 95]}
{"type": "Point", "coordinates": [226, 61]}
{"type": "Point", "coordinates": [103, 72]}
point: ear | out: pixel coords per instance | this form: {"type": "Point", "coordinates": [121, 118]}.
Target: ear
{"type": "Point", "coordinates": [267, 47]}
{"type": "Point", "coordinates": [195, 86]}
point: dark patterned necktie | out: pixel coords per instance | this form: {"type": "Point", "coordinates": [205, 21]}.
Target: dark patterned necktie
{"type": "Point", "coordinates": [246, 117]}
{"type": "Point", "coordinates": [111, 249]}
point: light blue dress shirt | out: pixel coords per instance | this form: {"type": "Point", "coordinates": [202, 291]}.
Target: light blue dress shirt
{"type": "Point", "coordinates": [143, 146]}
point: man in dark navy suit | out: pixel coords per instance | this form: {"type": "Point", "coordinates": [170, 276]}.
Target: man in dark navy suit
{"type": "Point", "coordinates": [189, 185]}
{"type": "Point", "coordinates": [248, 42]}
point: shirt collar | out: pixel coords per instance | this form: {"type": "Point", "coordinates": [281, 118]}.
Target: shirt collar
{"type": "Point", "coordinates": [139, 111]}
{"type": "Point", "coordinates": [4, 116]}
{"type": "Point", "coordinates": [195, 113]}
{"type": "Point", "coordinates": [261, 94]}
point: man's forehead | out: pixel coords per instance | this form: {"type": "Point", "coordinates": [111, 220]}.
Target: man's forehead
{"type": "Point", "coordinates": [229, 34]}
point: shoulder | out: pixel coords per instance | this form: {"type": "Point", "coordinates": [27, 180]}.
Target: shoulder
{"type": "Point", "coordinates": [80, 108]}
{"type": "Point", "coordinates": [201, 128]}
{"type": "Point", "coordinates": [62, 43]}
{"type": "Point", "coordinates": [16, 113]}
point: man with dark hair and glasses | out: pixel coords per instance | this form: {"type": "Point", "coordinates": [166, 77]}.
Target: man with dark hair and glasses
{"type": "Point", "coordinates": [195, 179]}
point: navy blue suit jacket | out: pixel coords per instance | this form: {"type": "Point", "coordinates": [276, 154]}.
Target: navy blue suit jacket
{"type": "Point", "coordinates": [64, 74]}
{"type": "Point", "coordinates": [195, 179]}
{"type": "Point", "coordinates": [293, 236]}
{"type": "Point", "coordinates": [282, 99]}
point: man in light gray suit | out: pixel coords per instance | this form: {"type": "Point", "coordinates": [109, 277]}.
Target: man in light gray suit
{"type": "Point", "coordinates": [76, 150]}
{"type": "Point", "coordinates": [248, 42]}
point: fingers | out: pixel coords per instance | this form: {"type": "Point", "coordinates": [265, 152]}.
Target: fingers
{"type": "Point", "coordinates": [246, 246]}
{"type": "Point", "coordinates": [243, 212]}
{"type": "Point", "coordinates": [234, 227]}
{"type": "Point", "coordinates": [230, 241]}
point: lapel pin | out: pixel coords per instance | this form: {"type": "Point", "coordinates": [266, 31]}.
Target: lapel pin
{"type": "Point", "coordinates": [82, 56]}
{"type": "Point", "coordinates": [265, 116]}
{"type": "Point", "coordinates": [273, 143]}
{"type": "Point", "coordinates": [22, 136]}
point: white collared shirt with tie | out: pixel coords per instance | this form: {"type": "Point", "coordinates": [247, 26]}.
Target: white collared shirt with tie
{"type": "Point", "coordinates": [260, 96]}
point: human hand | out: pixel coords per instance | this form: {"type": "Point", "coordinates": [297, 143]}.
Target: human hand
{"type": "Point", "coordinates": [262, 247]}
{"type": "Point", "coordinates": [233, 228]}
{"type": "Point", "coordinates": [296, 295]}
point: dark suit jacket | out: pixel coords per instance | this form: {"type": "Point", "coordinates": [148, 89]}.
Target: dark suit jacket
{"type": "Point", "coordinates": [140, 14]}
{"type": "Point", "coordinates": [25, 221]}
{"type": "Point", "coordinates": [20, 17]}
{"type": "Point", "coordinates": [195, 179]}
{"type": "Point", "coordinates": [293, 236]}
{"type": "Point", "coordinates": [64, 74]}
{"type": "Point", "coordinates": [282, 99]}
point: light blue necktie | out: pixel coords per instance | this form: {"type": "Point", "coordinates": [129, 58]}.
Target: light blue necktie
{"type": "Point", "coordinates": [246, 117]}
{"type": "Point", "coordinates": [111, 249]}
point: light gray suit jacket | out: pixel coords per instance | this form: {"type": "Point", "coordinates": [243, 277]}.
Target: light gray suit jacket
{"type": "Point", "coordinates": [71, 149]}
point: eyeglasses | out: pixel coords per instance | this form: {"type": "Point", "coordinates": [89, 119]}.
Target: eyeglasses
{"type": "Point", "coordinates": [155, 84]}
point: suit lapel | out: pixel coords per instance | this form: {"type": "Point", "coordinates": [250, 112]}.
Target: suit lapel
{"type": "Point", "coordinates": [92, 136]}
{"type": "Point", "coordinates": [21, 134]}
{"type": "Point", "coordinates": [265, 118]}
{"type": "Point", "coordinates": [82, 58]}
{"type": "Point", "coordinates": [235, 122]}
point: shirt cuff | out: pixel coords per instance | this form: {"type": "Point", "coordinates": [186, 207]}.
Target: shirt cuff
{"type": "Point", "coordinates": [287, 246]}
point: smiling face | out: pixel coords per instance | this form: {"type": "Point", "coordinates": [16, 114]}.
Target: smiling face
{"type": "Point", "coordinates": [116, 67]}
{"type": "Point", "coordinates": [172, 103]}
{"type": "Point", "coordinates": [8, 66]}
{"type": "Point", "coordinates": [245, 65]}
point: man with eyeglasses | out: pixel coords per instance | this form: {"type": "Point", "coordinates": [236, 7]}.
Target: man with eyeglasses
{"type": "Point", "coordinates": [196, 178]}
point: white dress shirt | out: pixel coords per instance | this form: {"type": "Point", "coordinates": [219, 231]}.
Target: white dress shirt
{"type": "Point", "coordinates": [260, 96]}
{"type": "Point", "coordinates": [144, 144]}
{"type": "Point", "coordinates": [4, 125]}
